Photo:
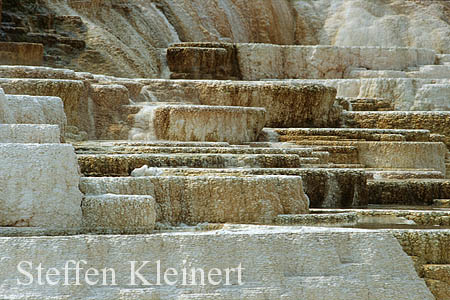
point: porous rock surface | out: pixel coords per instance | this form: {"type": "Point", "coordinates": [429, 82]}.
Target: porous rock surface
{"type": "Point", "coordinates": [203, 123]}
{"type": "Point", "coordinates": [318, 263]}
{"type": "Point", "coordinates": [21, 54]}
{"type": "Point", "coordinates": [125, 214]}
{"type": "Point", "coordinates": [435, 122]}
{"type": "Point", "coordinates": [29, 133]}
{"type": "Point", "coordinates": [73, 93]}
{"type": "Point", "coordinates": [286, 105]}
{"type": "Point", "coordinates": [210, 198]}
{"type": "Point", "coordinates": [39, 186]}
{"type": "Point", "coordinates": [37, 110]}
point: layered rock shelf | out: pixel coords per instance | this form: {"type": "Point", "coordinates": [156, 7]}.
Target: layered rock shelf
{"type": "Point", "coordinates": [232, 124]}
{"type": "Point", "coordinates": [287, 105]}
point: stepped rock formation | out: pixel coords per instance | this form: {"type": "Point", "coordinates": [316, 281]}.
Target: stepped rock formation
{"type": "Point", "coordinates": [127, 38]}
{"type": "Point", "coordinates": [262, 136]}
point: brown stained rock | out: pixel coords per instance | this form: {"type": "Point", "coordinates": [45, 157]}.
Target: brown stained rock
{"type": "Point", "coordinates": [124, 214]}
{"type": "Point", "coordinates": [108, 101]}
{"type": "Point", "coordinates": [431, 246]}
{"type": "Point", "coordinates": [407, 192]}
{"type": "Point", "coordinates": [74, 94]}
{"type": "Point", "coordinates": [437, 272]}
{"type": "Point", "coordinates": [208, 123]}
{"type": "Point", "coordinates": [203, 61]}
{"type": "Point", "coordinates": [440, 289]}
{"type": "Point", "coordinates": [287, 105]}
{"type": "Point", "coordinates": [211, 198]}
{"type": "Point", "coordinates": [21, 54]}
{"type": "Point", "coordinates": [436, 122]}
{"type": "Point", "coordinates": [123, 165]}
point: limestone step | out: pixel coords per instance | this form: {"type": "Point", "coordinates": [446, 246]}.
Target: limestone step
{"type": "Point", "coordinates": [443, 58]}
{"type": "Point", "coordinates": [420, 217]}
{"type": "Point", "coordinates": [209, 198]}
{"type": "Point", "coordinates": [376, 106]}
{"type": "Point", "coordinates": [127, 143]}
{"type": "Point", "coordinates": [29, 133]}
{"type": "Point", "coordinates": [37, 110]}
{"type": "Point", "coordinates": [403, 174]}
{"type": "Point", "coordinates": [432, 97]}
{"type": "Point", "coordinates": [124, 164]}
{"type": "Point", "coordinates": [365, 104]}
{"type": "Point", "coordinates": [21, 53]}
{"type": "Point", "coordinates": [73, 93]}
{"type": "Point", "coordinates": [287, 104]}
{"type": "Point", "coordinates": [342, 219]}
{"type": "Point", "coordinates": [231, 124]}
{"type": "Point", "coordinates": [372, 154]}
{"type": "Point", "coordinates": [435, 121]}
{"type": "Point", "coordinates": [323, 156]}
{"type": "Point", "coordinates": [364, 73]}
{"type": "Point", "coordinates": [339, 155]}
{"type": "Point", "coordinates": [334, 166]}
{"type": "Point", "coordinates": [439, 272]}
{"type": "Point", "coordinates": [312, 139]}
{"type": "Point", "coordinates": [301, 152]}
{"type": "Point", "coordinates": [441, 203]}
{"type": "Point", "coordinates": [321, 264]}
{"type": "Point", "coordinates": [37, 72]}
{"type": "Point", "coordinates": [368, 133]}
{"type": "Point", "coordinates": [429, 246]}
{"type": "Point", "coordinates": [39, 186]}
{"type": "Point", "coordinates": [437, 279]}
{"type": "Point", "coordinates": [325, 186]}
{"type": "Point", "coordinates": [133, 109]}
{"type": "Point", "coordinates": [407, 191]}
{"type": "Point", "coordinates": [370, 219]}
{"type": "Point", "coordinates": [431, 71]}
{"type": "Point", "coordinates": [118, 214]}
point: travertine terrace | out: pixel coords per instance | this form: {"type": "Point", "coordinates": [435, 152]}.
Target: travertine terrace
{"type": "Point", "coordinates": [298, 148]}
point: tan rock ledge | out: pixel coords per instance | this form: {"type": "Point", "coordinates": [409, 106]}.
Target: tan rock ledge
{"type": "Point", "coordinates": [29, 133]}
{"type": "Point", "coordinates": [120, 214]}
{"type": "Point", "coordinates": [209, 198]}
{"type": "Point", "coordinates": [21, 54]}
{"type": "Point", "coordinates": [235, 125]}
{"type": "Point", "coordinates": [287, 104]}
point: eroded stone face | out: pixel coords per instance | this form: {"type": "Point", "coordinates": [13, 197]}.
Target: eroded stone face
{"type": "Point", "coordinates": [235, 125]}
{"type": "Point", "coordinates": [435, 122]}
{"type": "Point", "coordinates": [73, 93]}
{"type": "Point", "coordinates": [29, 133]}
{"type": "Point", "coordinates": [108, 112]}
{"type": "Point", "coordinates": [21, 54]}
{"type": "Point", "coordinates": [38, 110]}
{"type": "Point", "coordinates": [287, 105]}
{"type": "Point", "coordinates": [123, 214]}
{"type": "Point", "coordinates": [39, 186]}
{"type": "Point", "coordinates": [210, 198]}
